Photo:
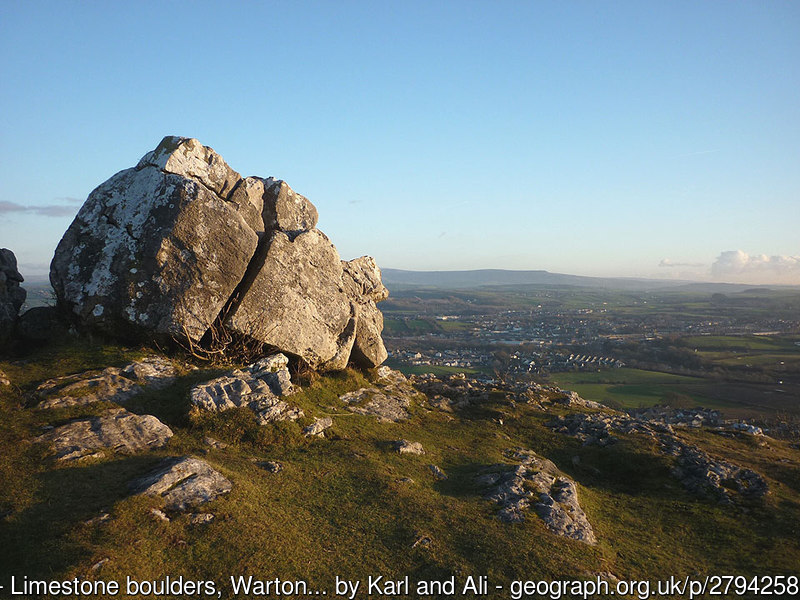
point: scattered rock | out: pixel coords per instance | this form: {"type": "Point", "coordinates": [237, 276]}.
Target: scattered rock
{"type": "Point", "coordinates": [699, 472]}
{"type": "Point", "coordinates": [183, 482]}
{"type": "Point", "coordinates": [200, 518]}
{"type": "Point", "coordinates": [258, 387]}
{"type": "Point", "coordinates": [714, 478]}
{"type": "Point", "coordinates": [422, 541]}
{"type": "Point", "coordinates": [159, 515]}
{"type": "Point", "coordinates": [318, 427]}
{"type": "Point", "coordinates": [572, 399]}
{"type": "Point", "coordinates": [406, 447]}
{"type": "Point", "coordinates": [96, 566]}
{"type": "Point", "coordinates": [182, 245]}
{"type": "Point", "coordinates": [102, 518]}
{"type": "Point", "coordinates": [4, 380]}
{"type": "Point", "coordinates": [437, 472]}
{"type": "Point", "coordinates": [12, 296]}
{"type": "Point", "coordinates": [270, 465]}
{"type": "Point", "coordinates": [112, 384]}
{"type": "Point", "coordinates": [214, 443]}
{"type": "Point", "coordinates": [117, 431]}
{"type": "Point", "coordinates": [537, 482]}
{"type": "Point", "coordinates": [388, 402]}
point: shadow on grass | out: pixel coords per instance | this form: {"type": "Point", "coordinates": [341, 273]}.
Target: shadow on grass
{"type": "Point", "coordinates": [39, 540]}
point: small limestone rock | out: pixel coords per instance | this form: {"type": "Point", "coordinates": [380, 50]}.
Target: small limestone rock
{"type": "Point", "coordinates": [422, 541]}
{"type": "Point", "coordinates": [437, 472]}
{"type": "Point", "coordinates": [4, 380]}
{"type": "Point", "coordinates": [200, 518]}
{"type": "Point", "coordinates": [214, 443]}
{"type": "Point", "coordinates": [117, 430]}
{"type": "Point", "coordinates": [183, 482]}
{"type": "Point", "coordinates": [406, 447]}
{"type": "Point", "coordinates": [571, 398]}
{"type": "Point", "coordinates": [96, 566]}
{"type": "Point", "coordinates": [270, 465]}
{"type": "Point", "coordinates": [159, 515]}
{"type": "Point", "coordinates": [318, 427]}
{"type": "Point", "coordinates": [102, 518]}
{"type": "Point", "coordinates": [258, 387]}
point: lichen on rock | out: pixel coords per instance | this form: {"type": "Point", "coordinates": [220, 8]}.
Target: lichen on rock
{"type": "Point", "coordinates": [181, 247]}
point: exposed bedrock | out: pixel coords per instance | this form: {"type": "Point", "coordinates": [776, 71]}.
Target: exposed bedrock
{"type": "Point", "coordinates": [182, 246]}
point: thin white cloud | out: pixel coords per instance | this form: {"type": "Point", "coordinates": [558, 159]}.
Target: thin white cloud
{"type": "Point", "coordinates": [738, 266]}
{"type": "Point", "coordinates": [48, 210]}
{"type": "Point", "coordinates": [665, 262]}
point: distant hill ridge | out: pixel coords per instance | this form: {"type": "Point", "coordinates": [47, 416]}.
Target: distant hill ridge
{"type": "Point", "coordinates": [503, 277]}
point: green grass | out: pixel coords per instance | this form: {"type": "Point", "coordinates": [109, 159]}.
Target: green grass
{"type": "Point", "coordinates": [341, 505]}
{"type": "Point", "coordinates": [635, 388]}
{"type": "Point", "coordinates": [742, 343]}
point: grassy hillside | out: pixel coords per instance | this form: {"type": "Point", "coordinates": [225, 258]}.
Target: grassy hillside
{"type": "Point", "coordinates": [349, 506]}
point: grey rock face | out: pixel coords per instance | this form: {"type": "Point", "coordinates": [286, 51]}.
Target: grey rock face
{"type": "Point", "coordinates": [181, 243]}
{"type": "Point", "coordinates": [144, 252]}
{"type": "Point", "coordinates": [12, 296]}
{"type": "Point", "coordinates": [259, 387]}
{"type": "Point", "coordinates": [184, 482]}
{"type": "Point", "coordinates": [112, 384]}
{"type": "Point", "coordinates": [535, 482]}
{"type": "Point", "coordinates": [117, 431]}
{"type": "Point", "coordinates": [362, 281]}
{"type": "Point", "coordinates": [389, 401]}
{"type": "Point", "coordinates": [296, 302]}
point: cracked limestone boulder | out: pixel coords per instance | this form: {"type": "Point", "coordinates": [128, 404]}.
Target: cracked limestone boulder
{"type": "Point", "coordinates": [12, 296]}
{"type": "Point", "coordinates": [158, 247]}
{"type": "Point", "coordinates": [258, 387]}
{"type": "Point", "coordinates": [183, 482]}
{"type": "Point", "coordinates": [181, 246]}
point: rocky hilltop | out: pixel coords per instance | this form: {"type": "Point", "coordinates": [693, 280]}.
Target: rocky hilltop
{"type": "Point", "coordinates": [182, 247]}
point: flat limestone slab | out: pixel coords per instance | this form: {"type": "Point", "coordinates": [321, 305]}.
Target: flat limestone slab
{"type": "Point", "coordinates": [117, 431]}
{"type": "Point", "coordinates": [183, 482]}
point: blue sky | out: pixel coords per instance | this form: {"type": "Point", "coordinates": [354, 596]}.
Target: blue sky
{"type": "Point", "coordinates": [595, 138]}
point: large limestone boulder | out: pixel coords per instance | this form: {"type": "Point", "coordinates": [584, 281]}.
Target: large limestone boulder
{"type": "Point", "coordinates": [156, 247]}
{"type": "Point", "coordinates": [12, 296]}
{"type": "Point", "coordinates": [182, 247]}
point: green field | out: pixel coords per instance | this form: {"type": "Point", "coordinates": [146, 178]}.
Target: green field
{"type": "Point", "coordinates": [635, 388]}
{"type": "Point", "coordinates": [736, 343]}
